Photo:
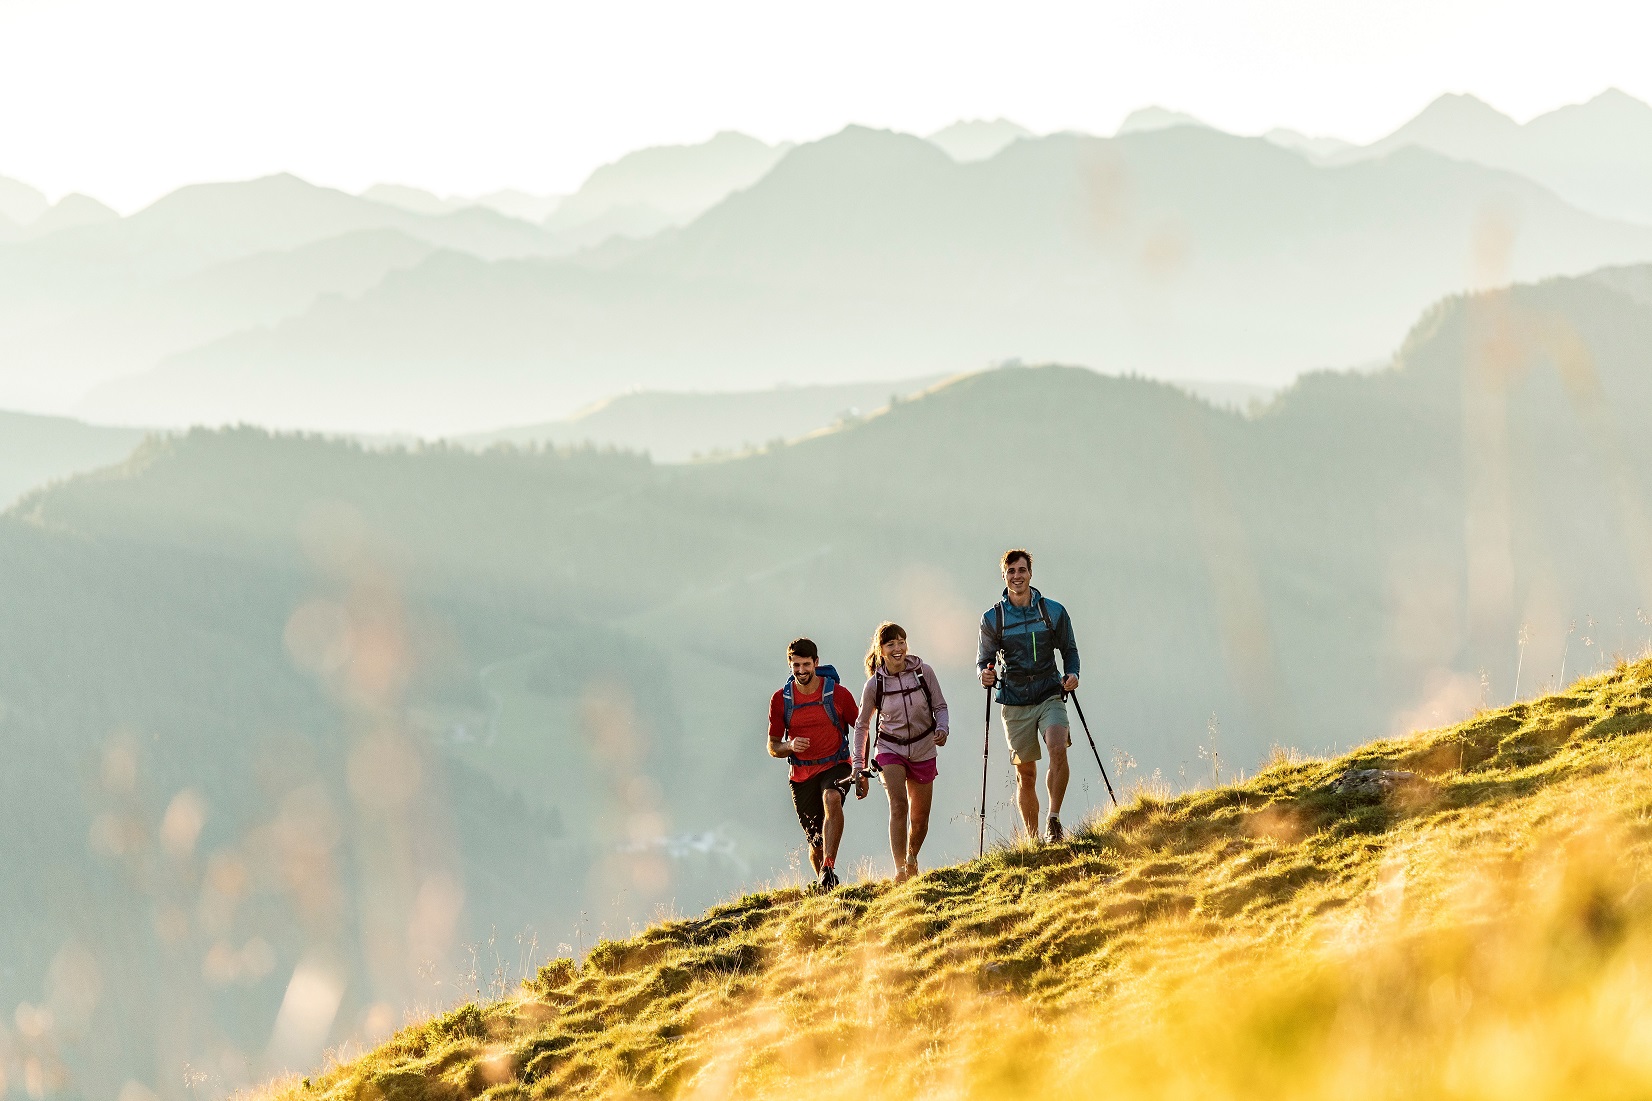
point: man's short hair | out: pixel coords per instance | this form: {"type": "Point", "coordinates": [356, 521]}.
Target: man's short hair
{"type": "Point", "coordinates": [1011, 555]}
{"type": "Point", "coordinates": [803, 648]}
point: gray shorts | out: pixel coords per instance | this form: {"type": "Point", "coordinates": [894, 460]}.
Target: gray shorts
{"type": "Point", "coordinates": [1027, 726]}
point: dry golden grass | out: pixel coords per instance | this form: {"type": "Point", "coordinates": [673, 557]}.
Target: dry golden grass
{"type": "Point", "coordinates": [1483, 930]}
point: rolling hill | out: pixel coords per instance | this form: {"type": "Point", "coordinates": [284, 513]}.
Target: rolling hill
{"type": "Point", "coordinates": [1175, 253]}
{"type": "Point", "coordinates": [1461, 911]}
{"type": "Point", "coordinates": [677, 427]}
{"type": "Point", "coordinates": [37, 450]}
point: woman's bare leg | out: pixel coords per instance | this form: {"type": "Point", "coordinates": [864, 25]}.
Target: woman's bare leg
{"type": "Point", "coordinates": [919, 796]}
{"type": "Point", "coordinates": [895, 785]}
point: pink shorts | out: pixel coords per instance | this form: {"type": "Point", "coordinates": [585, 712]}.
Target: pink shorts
{"type": "Point", "coordinates": [919, 772]}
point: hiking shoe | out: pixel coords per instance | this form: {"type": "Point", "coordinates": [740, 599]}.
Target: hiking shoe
{"type": "Point", "coordinates": [1054, 830]}
{"type": "Point", "coordinates": [828, 879]}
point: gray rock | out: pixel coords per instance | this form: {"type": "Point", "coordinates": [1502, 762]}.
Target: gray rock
{"type": "Point", "coordinates": [1372, 781]}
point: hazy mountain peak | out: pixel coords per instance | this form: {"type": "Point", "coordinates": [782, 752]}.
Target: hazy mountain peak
{"type": "Point", "coordinates": [260, 189]}
{"type": "Point", "coordinates": [1316, 147]}
{"type": "Point", "coordinates": [1618, 99]}
{"type": "Point", "coordinates": [1608, 118]}
{"type": "Point", "coordinates": [71, 212]}
{"type": "Point", "coordinates": [978, 139]}
{"type": "Point", "coordinates": [857, 150]}
{"type": "Point", "coordinates": [677, 182]}
{"type": "Point", "coordinates": [20, 203]}
{"type": "Point", "coordinates": [414, 199]}
{"type": "Point", "coordinates": [521, 204]}
{"type": "Point", "coordinates": [1156, 118]}
{"type": "Point", "coordinates": [1457, 125]}
{"type": "Point", "coordinates": [1595, 155]}
{"type": "Point", "coordinates": [1456, 110]}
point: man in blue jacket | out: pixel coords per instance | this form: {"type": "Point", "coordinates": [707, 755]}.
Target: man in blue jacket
{"type": "Point", "coordinates": [1027, 630]}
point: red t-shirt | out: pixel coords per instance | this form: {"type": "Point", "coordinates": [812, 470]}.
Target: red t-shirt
{"type": "Point", "coordinates": [812, 723]}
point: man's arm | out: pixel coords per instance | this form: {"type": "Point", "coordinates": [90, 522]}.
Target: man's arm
{"type": "Point", "coordinates": [1069, 651]}
{"type": "Point", "coordinates": [780, 745]}
{"type": "Point", "coordinates": [986, 650]}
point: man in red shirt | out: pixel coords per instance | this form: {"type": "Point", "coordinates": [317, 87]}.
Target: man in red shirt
{"type": "Point", "coordinates": [809, 719]}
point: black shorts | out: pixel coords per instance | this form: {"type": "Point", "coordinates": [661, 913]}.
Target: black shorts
{"type": "Point", "coordinates": [809, 797]}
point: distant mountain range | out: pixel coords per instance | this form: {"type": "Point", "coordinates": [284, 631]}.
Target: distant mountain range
{"type": "Point", "coordinates": [1595, 155]}
{"type": "Point", "coordinates": [25, 213]}
{"type": "Point", "coordinates": [1179, 252]}
{"type": "Point", "coordinates": [638, 195]}
{"type": "Point", "coordinates": [78, 289]}
{"type": "Point", "coordinates": [1171, 249]}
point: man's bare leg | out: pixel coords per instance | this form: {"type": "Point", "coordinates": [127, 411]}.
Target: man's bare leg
{"type": "Point", "coordinates": [833, 799]}
{"type": "Point", "coordinates": [816, 858]}
{"type": "Point", "coordinates": [1026, 795]}
{"type": "Point", "coordinates": [1055, 740]}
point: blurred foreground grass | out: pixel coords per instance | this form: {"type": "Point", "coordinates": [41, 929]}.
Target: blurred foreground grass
{"type": "Point", "coordinates": [1481, 929]}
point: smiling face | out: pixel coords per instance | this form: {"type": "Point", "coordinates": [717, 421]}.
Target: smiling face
{"type": "Point", "coordinates": [894, 652]}
{"type": "Point", "coordinates": [803, 670]}
{"type": "Point", "coordinates": [1018, 576]}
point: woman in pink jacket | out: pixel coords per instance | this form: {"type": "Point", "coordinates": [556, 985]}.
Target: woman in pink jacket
{"type": "Point", "coordinates": [903, 714]}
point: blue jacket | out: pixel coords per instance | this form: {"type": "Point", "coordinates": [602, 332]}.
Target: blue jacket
{"type": "Point", "coordinates": [1029, 645]}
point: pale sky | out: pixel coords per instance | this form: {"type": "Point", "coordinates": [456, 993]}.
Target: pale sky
{"type": "Point", "coordinates": [126, 101]}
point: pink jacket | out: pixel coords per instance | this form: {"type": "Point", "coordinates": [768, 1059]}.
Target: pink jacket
{"type": "Point", "coordinates": [903, 714]}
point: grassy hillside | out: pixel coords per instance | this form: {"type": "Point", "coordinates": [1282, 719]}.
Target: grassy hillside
{"type": "Point", "coordinates": [1471, 924]}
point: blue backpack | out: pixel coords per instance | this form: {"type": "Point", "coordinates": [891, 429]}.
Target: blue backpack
{"type": "Point", "coordinates": [829, 682]}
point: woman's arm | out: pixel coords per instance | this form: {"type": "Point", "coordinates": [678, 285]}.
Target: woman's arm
{"type": "Point", "coordinates": [943, 725]}
{"type": "Point", "coordinates": [863, 725]}
{"type": "Point", "coordinates": [939, 698]}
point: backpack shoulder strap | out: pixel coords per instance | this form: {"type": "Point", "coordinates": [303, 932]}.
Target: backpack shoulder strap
{"type": "Point", "coordinates": [786, 698]}
{"type": "Point", "coordinates": [929, 701]}
{"type": "Point", "coordinates": [999, 609]}
{"type": "Point", "coordinates": [1045, 616]}
{"type": "Point", "coordinates": [828, 689]}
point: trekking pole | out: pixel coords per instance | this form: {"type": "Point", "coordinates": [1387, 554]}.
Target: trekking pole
{"type": "Point", "coordinates": [1093, 749]}
{"type": "Point", "coordinates": [986, 748]}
